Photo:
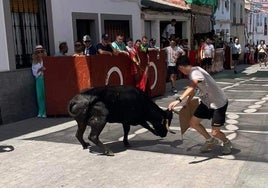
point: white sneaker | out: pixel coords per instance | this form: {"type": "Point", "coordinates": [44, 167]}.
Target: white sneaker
{"type": "Point", "coordinates": [39, 116]}
{"type": "Point", "coordinates": [227, 148]}
{"type": "Point", "coordinates": [174, 90]}
{"type": "Point", "coordinates": [44, 116]}
{"type": "Point", "coordinates": [208, 145]}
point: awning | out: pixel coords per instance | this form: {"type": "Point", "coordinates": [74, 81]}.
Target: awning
{"type": "Point", "coordinates": [165, 5]}
{"type": "Point", "coordinates": [203, 2]}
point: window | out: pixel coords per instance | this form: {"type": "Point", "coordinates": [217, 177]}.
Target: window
{"type": "Point", "coordinates": [147, 28]}
{"type": "Point", "coordinates": [115, 27]}
{"type": "Point", "coordinates": [29, 26]}
{"type": "Point", "coordinates": [234, 13]}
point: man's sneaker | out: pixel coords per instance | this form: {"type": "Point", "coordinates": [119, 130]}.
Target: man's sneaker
{"type": "Point", "coordinates": [208, 145]}
{"type": "Point", "coordinates": [227, 148]}
{"type": "Point", "coordinates": [174, 90]}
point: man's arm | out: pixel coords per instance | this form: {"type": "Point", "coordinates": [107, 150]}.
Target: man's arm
{"type": "Point", "coordinates": [189, 92]}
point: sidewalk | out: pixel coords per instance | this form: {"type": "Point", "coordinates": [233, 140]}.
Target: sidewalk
{"type": "Point", "coordinates": [40, 152]}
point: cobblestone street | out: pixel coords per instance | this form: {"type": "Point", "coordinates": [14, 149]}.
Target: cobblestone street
{"type": "Point", "coordinates": [45, 153]}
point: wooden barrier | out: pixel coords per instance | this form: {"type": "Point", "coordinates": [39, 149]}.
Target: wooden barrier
{"type": "Point", "coordinates": [67, 76]}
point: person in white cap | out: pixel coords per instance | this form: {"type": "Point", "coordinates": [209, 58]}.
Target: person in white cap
{"type": "Point", "coordinates": [89, 48]}
{"type": "Point", "coordinates": [38, 72]}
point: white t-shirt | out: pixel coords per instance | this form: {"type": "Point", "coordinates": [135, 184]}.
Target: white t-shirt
{"type": "Point", "coordinates": [211, 94]}
{"type": "Point", "coordinates": [208, 49]}
{"type": "Point", "coordinates": [170, 30]}
{"type": "Point", "coordinates": [171, 52]}
{"type": "Point", "coordinates": [35, 68]}
{"type": "Point", "coordinates": [261, 48]}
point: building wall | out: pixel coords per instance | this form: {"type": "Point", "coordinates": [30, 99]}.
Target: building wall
{"type": "Point", "coordinates": [155, 17]}
{"type": "Point", "coordinates": [4, 61]}
{"type": "Point", "coordinates": [223, 19]}
{"type": "Point", "coordinates": [63, 29]}
{"type": "Point", "coordinates": [17, 96]}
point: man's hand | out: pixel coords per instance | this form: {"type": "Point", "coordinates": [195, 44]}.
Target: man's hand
{"type": "Point", "coordinates": [173, 104]}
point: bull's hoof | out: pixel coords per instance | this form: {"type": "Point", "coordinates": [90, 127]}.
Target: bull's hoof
{"type": "Point", "coordinates": [86, 145]}
{"type": "Point", "coordinates": [126, 144]}
{"type": "Point", "coordinates": [109, 153]}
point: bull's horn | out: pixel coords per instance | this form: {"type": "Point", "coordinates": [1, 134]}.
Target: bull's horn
{"type": "Point", "coordinates": [169, 130]}
{"type": "Point", "coordinates": [176, 112]}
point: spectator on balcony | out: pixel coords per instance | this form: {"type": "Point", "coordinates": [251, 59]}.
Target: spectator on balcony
{"type": "Point", "coordinates": [89, 48]}
{"type": "Point", "coordinates": [38, 72]}
{"type": "Point", "coordinates": [168, 32]}
{"type": "Point", "coordinates": [137, 44]}
{"type": "Point", "coordinates": [152, 44]}
{"type": "Point", "coordinates": [236, 51]}
{"type": "Point", "coordinates": [144, 47]}
{"type": "Point", "coordinates": [207, 55]}
{"type": "Point", "coordinates": [78, 48]}
{"type": "Point", "coordinates": [63, 49]}
{"type": "Point", "coordinates": [134, 56]}
{"type": "Point", "coordinates": [105, 47]}
{"type": "Point", "coordinates": [119, 44]}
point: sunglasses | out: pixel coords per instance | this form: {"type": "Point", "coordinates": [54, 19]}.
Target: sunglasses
{"type": "Point", "coordinates": [39, 52]}
{"type": "Point", "coordinates": [77, 45]}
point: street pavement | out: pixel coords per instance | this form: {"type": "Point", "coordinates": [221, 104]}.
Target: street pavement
{"type": "Point", "coordinates": [40, 152]}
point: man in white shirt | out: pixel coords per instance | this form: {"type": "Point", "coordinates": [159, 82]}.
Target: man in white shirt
{"type": "Point", "coordinates": [173, 53]}
{"type": "Point", "coordinates": [207, 55]}
{"type": "Point", "coordinates": [213, 105]}
{"type": "Point", "coordinates": [168, 32]}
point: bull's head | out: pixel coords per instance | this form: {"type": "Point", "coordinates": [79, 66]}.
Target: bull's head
{"type": "Point", "coordinates": [163, 129]}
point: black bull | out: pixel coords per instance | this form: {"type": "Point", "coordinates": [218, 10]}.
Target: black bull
{"type": "Point", "coordinates": [116, 104]}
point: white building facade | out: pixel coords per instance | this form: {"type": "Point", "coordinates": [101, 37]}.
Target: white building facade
{"type": "Point", "coordinates": [230, 20]}
{"type": "Point", "coordinates": [60, 20]}
{"type": "Point", "coordinates": [256, 21]}
{"type": "Point", "coordinates": [27, 23]}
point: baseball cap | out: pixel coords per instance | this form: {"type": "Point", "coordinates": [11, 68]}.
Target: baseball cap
{"type": "Point", "coordinates": [38, 48]}
{"type": "Point", "coordinates": [105, 36]}
{"type": "Point", "coordinates": [86, 38]}
{"type": "Point", "coordinates": [152, 40]}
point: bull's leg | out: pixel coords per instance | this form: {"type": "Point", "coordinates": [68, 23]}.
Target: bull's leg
{"type": "Point", "coordinates": [126, 128]}
{"type": "Point", "coordinates": [94, 137]}
{"type": "Point", "coordinates": [79, 135]}
{"type": "Point", "coordinates": [147, 126]}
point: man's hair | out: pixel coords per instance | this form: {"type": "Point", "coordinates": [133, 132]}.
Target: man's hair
{"type": "Point", "coordinates": [183, 61]}
{"type": "Point", "coordinates": [144, 37]}
{"type": "Point", "coordinates": [62, 44]}
{"type": "Point", "coordinates": [173, 20]}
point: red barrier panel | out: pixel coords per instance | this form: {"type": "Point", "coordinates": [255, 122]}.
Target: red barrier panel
{"type": "Point", "coordinates": [67, 76]}
{"type": "Point", "coordinates": [192, 57]}
{"type": "Point", "coordinates": [110, 70]}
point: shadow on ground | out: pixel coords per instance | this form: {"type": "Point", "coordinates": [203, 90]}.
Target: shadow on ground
{"type": "Point", "coordinates": [9, 131]}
